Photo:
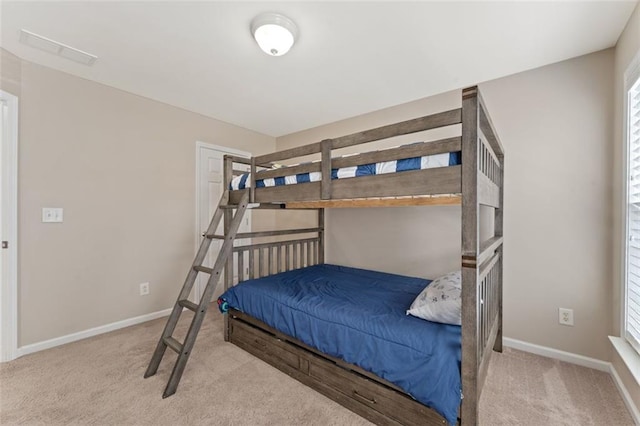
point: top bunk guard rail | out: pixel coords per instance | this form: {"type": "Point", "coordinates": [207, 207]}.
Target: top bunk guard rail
{"type": "Point", "coordinates": [419, 182]}
{"type": "Point", "coordinates": [408, 151]}
{"type": "Point", "coordinates": [490, 158]}
{"type": "Point", "coordinates": [415, 125]}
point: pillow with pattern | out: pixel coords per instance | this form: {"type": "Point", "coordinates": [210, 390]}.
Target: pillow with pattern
{"type": "Point", "coordinates": [441, 300]}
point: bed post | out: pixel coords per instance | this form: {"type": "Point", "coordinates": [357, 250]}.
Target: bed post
{"type": "Point", "coordinates": [488, 132]}
{"type": "Point", "coordinates": [498, 231]}
{"type": "Point", "coordinates": [252, 184]}
{"type": "Point", "coordinates": [470, 248]}
{"type": "Point", "coordinates": [325, 185]}
{"type": "Point", "coordinates": [227, 176]}
{"type": "Point", "coordinates": [320, 236]}
{"type": "Point", "coordinates": [228, 215]}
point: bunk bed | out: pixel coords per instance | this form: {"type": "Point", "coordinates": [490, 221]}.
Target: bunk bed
{"type": "Point", "coordinates": [431, 173]}
{"type": "Point", "coordinates": [311, 336]}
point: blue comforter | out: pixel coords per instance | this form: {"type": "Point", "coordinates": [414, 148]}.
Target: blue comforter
{"type": "Point", "coordinates": [359, 316]}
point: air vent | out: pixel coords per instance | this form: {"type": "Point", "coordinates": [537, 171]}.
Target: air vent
{"type": "Point", "coordinates": [60, 49]}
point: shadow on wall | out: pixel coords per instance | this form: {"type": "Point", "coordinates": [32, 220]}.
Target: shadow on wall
{"type": "Point", "coordinates": [381, 240]}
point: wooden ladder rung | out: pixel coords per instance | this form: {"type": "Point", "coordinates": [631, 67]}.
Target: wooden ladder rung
{"type": "Point", "coordinates": [173, 344]}
{"type": "Point", "coordinates": [203, 269]}
{"type": "Point", "coordinates": [188, 304]}
{"type": "Point", "coordinates": [216, 237]}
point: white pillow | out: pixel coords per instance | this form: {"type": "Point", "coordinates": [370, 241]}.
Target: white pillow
{"type": "Point", "coordinates": [441, 300]}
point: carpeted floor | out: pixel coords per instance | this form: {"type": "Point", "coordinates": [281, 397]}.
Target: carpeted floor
{"type": "Point", "coordinates": [98, 381]}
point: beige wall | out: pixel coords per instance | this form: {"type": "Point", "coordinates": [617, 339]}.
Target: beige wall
{"type": "Point", "coordinates": [123, 169]}
{"type": "Point", "coordinates": [628, 46]}
{"type": "Point", "coordinates": [555, 123]}
{"type": "Point", "coordinates": [10, 72]}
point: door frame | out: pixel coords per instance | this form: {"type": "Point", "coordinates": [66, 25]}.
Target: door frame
{"type": "Point", "coordinates": [9, 287]}
{"type": "Point", "coordinates": [199, 146]}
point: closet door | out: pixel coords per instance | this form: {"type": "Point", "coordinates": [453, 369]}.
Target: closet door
{"type": "Point", "coordinates": [209, 189]}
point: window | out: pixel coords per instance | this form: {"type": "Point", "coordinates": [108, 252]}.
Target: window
{"type": "Point", "coordinates": [632, 261]}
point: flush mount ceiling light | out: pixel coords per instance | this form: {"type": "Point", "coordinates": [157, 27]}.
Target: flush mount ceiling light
{"type": "Point", "coordinates": [57, 48]}
{"type": "Point", "coordinates": [274, 33]}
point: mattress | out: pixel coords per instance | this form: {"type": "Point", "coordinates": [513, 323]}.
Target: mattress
{"type": "Point", "coordinates": [359, 316]}
{"type": "Point", "coordinates": [396, 166]}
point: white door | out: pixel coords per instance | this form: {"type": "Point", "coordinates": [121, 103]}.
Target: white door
{"type": "Point", "coordinates": [8, 226]}
{"type": "Point", "coordinates": [210, 187]}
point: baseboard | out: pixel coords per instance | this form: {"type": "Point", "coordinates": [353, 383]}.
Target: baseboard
{"type": "Point", "coordinates": [47, 344]}
{"type": "Point", "coordinates": [626, 397]}
{"type": "Point", "coordinates": [569, 357]}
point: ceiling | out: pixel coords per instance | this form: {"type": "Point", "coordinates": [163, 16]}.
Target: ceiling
{"type": "Point", "coordinates": [350, 59]}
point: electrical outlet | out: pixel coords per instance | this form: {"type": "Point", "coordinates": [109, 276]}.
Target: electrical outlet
{"type": "Point", "coordinates": [565, 316]}
{"type": "Point", "coordinates": [144, 289]}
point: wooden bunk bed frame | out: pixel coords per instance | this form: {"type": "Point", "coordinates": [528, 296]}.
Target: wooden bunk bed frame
{"type": "Point", "coordinates": [478, 181]}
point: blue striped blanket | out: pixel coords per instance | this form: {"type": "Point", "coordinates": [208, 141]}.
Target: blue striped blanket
{"type": "Point", "coordinates": [396, 166]}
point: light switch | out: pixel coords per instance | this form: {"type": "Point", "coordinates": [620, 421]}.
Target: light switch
{"type": "Point", "coordinates": [51, 214]}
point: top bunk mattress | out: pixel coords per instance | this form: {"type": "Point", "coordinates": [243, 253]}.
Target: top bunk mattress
{"type": "Point", "coordinates": [415, 163]}
{"type": "Point", "coordinates": [360, 317]}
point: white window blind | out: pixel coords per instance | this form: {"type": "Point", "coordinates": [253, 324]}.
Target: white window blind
{"type": "Point", "coordinates": [632, 308]}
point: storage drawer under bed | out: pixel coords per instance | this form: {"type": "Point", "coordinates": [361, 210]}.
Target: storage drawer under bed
{"type": "Point", "coordinates": [372, 399]}
{"type": "Point", "coordinates": [246, 335]}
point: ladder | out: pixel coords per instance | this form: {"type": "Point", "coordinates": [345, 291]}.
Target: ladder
{"type": "Point", "coordinates": [167, 340]}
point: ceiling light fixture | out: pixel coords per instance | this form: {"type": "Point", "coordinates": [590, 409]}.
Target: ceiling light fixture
{"type": "Point", "coordinates": [274, 33]}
